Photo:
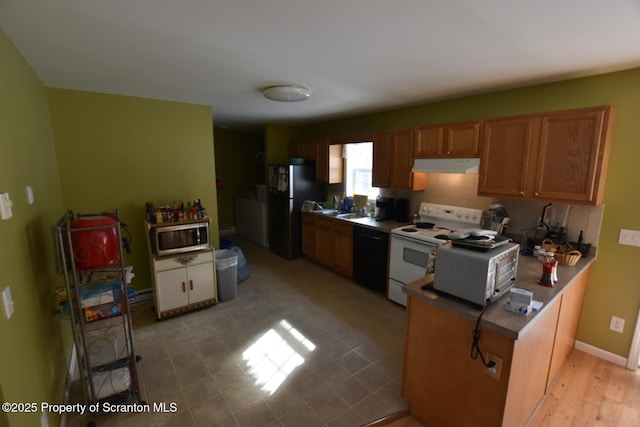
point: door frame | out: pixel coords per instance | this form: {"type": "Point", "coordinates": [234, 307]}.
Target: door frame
{"type": "Point", "coordinates": [634, 352]}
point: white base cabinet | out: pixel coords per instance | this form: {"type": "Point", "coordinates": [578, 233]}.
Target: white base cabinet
{"type": "Point", "coordinates": [184, 282]}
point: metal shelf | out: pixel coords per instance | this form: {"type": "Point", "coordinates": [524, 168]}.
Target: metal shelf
{"type": "Point", "coordinates": [98, 307]}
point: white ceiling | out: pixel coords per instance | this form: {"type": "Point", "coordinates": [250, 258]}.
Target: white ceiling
{"type": "Point", "coordinates": [355, 56]}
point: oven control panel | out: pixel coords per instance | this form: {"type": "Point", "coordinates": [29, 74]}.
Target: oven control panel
{"type": "Point", "coordinates": [472, 217]}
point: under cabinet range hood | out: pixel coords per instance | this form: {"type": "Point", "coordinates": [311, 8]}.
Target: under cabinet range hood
{"type": "Point", "coordinates": [446, 165]}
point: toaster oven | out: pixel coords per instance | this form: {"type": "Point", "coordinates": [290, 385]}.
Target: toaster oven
{"type": "Point", "coordinates": [476, 276]}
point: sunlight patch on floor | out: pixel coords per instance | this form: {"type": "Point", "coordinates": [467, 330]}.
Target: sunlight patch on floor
{"type": "Point", "coordinates": [275, 355]}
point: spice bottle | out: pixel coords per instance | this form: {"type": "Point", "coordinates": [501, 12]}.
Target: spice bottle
{"type": "Point", "coordinates": [549, 270]}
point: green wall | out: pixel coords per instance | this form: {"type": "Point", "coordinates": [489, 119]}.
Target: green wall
{"type": "Point", "coordinates": [613, 288]}
{"type": "Point", "coordinates": [120, 152]}
{"type": "Point", "coordinates": [34, 347]}
{"type": "Point", "coordinates": [87, 152]}
{"type": "Point", "coordinates": [276, 139]}
{"type": "Point", "coordinates": [239, 166]}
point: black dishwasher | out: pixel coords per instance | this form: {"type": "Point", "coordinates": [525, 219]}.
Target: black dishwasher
{"type": "Point", "coordinates": [370, 248]}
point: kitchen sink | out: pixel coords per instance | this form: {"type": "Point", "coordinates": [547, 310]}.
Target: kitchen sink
{"type": "Point", "coordinates": [348, 215]}
{"type": "Point", "coordinates": [351, 215]}
{"type": "Point", "coordinates": [336, 213]}
{"type": "Point", "coordinates": [328, 212]}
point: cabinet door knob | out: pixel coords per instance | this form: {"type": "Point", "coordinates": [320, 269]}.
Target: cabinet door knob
{"type": "Point", "coordinates": [191, 285]}
{"type": "Point", "coordinates": [536, 194]}
{"type": "Point", "coordinates": [184, 287]}
{"type": "Point", "coordinates": [522, 193]}
{"type": "Point", "coordinates": [448, 152]}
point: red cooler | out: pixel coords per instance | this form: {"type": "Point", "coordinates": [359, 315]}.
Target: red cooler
{"type": "Point", "coordinates": [95, 247]}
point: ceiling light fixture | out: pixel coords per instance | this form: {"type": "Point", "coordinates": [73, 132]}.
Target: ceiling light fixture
{"type": "Point", "coordinates": [286, 93]}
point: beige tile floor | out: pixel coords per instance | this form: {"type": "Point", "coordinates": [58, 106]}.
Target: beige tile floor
{"type": "Point", "coordinates": [298, 346]}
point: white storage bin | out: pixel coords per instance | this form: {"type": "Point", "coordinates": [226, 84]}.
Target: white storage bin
{"type": "Point", "coordinates": [112, 382]}
{"type": "Point", "coordinates": [106, 341]}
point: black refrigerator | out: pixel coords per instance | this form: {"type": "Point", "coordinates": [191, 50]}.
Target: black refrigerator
{"type": "Point", "coordinates": [289, 187]}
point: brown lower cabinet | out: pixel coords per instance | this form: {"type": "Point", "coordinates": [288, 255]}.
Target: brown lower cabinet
{"type": "Point", "coordinates": [445, 387]}
{"type": "Point", "coordinates": [329, 242]}
{"type": "Point", "coordinates": [308, 236]}
{"type": "Point", "coordinates": [343, 248]}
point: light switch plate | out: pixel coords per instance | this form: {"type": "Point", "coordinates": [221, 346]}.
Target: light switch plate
{"type": "Point", "coordinates": [5, 206]}
{"type": "Point", "coordinates": [7, 301]}
{"type": "Point", "coordinates": [30, 197]}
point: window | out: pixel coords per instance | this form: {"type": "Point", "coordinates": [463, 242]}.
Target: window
{"type": "Point", "coordinates": [358, 159]}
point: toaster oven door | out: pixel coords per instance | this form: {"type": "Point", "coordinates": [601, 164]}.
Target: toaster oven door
{"type": "Point", "coordinates": [505, 273]}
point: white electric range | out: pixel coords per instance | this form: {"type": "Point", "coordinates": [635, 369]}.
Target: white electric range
{"type": "Point", "coordinates": [413, 247]}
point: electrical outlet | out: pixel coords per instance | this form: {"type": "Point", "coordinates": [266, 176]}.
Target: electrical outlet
{"type": "Point", "coordinates": [629, 237]}
{"type": "Point", "coordinates": [496, 370]}
{"type": "Point", "coordinates": [616, 324]}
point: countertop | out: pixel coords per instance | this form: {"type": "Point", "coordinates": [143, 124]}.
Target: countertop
{"type": "Point", "coordinates": [366, 221]}
{"type": "Point", "coordinates": [496, 316]}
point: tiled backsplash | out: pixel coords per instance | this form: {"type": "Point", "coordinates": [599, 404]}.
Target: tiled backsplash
{"type": "Point", "coordinates": [461, 190]}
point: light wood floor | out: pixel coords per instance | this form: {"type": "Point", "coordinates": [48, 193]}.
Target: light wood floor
{"type": "Point", "coordinates": [591, 392]}
{"type": "Point", "coordinates": [588, 392]}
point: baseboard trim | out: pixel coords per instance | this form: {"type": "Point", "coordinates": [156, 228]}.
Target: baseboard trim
{"type": "Point", "coordinates": [388, 419]}
{"type": "Point", "coordinates": [142, 297]}
{"type": "Point", "coordinates": [602, 354]}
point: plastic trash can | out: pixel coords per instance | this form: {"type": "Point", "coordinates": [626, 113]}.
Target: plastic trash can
{"type": "Point", "coordinates": [227, 274]}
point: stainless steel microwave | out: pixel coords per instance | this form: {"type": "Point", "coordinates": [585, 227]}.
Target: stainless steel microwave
{"type": "Point", "coordinates": [178, 238]}
{"type": "Point", "coordinates": [476, 276]}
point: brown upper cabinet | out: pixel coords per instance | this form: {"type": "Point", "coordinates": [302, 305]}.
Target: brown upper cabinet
{"type": "Point", "coordinates": [393, 160]}
{"type": "Point", "coordinates": [560, 155]}
{"type": "Point", "coordinates": [329, 162]}
{"type": "Point", "coordinates": [381, 160]}
{"type": "Point", "coordinates": [448, 140]}
{"type": "Point", "coordinates": [324, 152]}
{"type": "Point", "coordinates": [302, 148]}
{"type": "Point", "coordinates": [504, 165]}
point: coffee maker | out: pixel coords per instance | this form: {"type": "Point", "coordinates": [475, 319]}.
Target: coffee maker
{"type": "Point", "coordinates": [385, 208]}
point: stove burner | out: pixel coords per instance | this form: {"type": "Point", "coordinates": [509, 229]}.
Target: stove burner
{"type": "Point", "coordinates": [425, 225]}
{"type": "Point", "coordinates": [442, 236]}
{"type": "Point", "coordinates": [410, 230]}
